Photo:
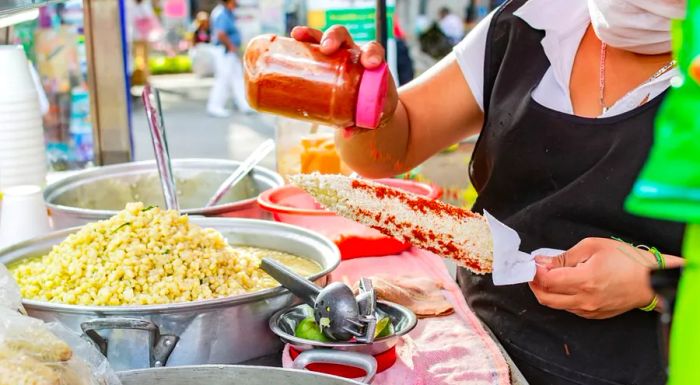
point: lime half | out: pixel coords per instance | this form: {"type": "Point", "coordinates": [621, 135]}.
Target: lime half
{"type": "Point", "coordinates": [384, 328]}
{"type": "Point", "coordinates": [308, 329]}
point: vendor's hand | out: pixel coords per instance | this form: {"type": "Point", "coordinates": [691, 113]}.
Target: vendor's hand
{"type": "Point", "coordinates": [598, 278]}
{"type": "Point", "coordinates": [372, 56]}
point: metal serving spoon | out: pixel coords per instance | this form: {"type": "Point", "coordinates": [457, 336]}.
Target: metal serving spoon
{"type": "Point", "coordinates": [246, 166]}
{"type": "Point", "coordinates": [154, 113]}
{"type": "Point", "coordinates": [336, 309]}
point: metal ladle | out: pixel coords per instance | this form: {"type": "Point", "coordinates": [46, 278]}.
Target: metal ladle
{"type": "Point", "coordinates": [336, 310]}
{"type": "Point", "coordinates": [154, 113]}
{"type": "Point", "coordinates": [246, 166]}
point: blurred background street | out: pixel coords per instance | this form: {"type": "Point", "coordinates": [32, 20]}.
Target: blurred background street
{"type": "Point", "coordinates": [190, 51]}
{"type": "Point", "coordinates": [192, 133]}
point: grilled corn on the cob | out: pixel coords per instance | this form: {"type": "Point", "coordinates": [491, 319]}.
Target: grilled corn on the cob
{"type": "Point", "coordinates": [446, 230]}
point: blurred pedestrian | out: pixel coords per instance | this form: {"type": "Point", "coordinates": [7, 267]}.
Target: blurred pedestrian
{"type": "Point", "coordinates": [143, 28]}
{"type": "Point", "coordinates": [404, 63]}
{"type": "Point", "coordinates": [202, 53]}
{"type": "Point", "coordinates": [292, 10]}
{"type": "Point", "coordinates": [435, 43]}
{"type": "Point", "coordinates": [471, 17]}
{"type": "Point", "coordinates": [201, 32]}
{"type": "Point", "coordinates": [451, 25]}
{"type": "Point", "coordinates": [228, 79]}
{"type": "Point", "coordinates": [496, 3]}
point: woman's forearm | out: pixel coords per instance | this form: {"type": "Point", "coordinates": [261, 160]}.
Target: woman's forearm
{"type": "Point", "coordinates": [429, 114]}
{"type": "Point", "coordinates": [435, 111]}
{"type": "Point", "coordinates": [377, 153]}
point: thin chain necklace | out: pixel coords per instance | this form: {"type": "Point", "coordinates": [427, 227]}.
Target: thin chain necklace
{"type": "Point", "coordinates": [603, 54]}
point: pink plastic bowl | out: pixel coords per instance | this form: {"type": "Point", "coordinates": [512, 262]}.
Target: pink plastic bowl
{"type": "Point", "coordinates": [290, 204]}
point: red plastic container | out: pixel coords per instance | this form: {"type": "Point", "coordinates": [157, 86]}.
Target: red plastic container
{"type": "Point", "coordinates": [385, 360]}
{"type": "Point", "coordinates": [294, 206]}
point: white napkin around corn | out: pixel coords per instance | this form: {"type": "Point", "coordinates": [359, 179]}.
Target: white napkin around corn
{"type": "Point", "coordinates": [510, 265]}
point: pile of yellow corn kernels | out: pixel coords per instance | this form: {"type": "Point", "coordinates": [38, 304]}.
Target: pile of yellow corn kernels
{"type": "Point", "coordinates": [144, 256]}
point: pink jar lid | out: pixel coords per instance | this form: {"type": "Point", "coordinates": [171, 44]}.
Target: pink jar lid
{"type": "Point", "coordinates": [371, 96]}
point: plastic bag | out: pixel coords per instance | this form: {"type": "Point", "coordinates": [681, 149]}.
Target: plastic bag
{"type": "Point", "coordinates": [36, 353]}
{"type": "Point", "coordinates": [10, 297]}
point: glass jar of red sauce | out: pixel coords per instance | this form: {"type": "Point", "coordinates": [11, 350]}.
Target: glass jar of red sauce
{"type": "Point", "coordinates": [290, 78]}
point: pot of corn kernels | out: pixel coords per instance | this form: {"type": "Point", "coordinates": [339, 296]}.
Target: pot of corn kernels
{"type": "Point", "coordinates": [152, 288]}
{"type": "Point", "coordinates": [99, 193]}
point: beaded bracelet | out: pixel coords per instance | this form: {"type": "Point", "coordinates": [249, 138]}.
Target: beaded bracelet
{"type": "Point", "coordinates": [652, 305]}
{"type": "Point", "coordinates": [660, 261]}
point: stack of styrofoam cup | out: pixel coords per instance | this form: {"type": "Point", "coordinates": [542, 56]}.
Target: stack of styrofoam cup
{"type": "Point", "coordinates": [22, 149]}
{"type": "Point", "coordinates": [23, 215]}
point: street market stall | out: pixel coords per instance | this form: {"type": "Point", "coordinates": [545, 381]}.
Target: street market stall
{"type": "Point", "coordinates": [189, 270]}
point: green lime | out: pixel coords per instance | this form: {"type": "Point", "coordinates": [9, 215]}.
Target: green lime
{"type": "Point", "coordinates": [308, 329]}
{"type": "Point", "coordinates": [384, 328]}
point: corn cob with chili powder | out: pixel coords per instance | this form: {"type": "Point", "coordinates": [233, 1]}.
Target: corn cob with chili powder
{"type": "Point", "coordinates": [448, 231]}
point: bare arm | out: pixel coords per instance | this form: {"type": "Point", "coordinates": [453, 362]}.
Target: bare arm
{"type": "Point", "coordinates": [427, 115]}
{"type": "Point", "coordinates": [223, 37]}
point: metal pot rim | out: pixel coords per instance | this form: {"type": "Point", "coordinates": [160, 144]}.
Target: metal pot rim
{"type": "Point", "coordinates": [50, 190]}
{"type": "Point", "coordinates": [246, 367]}
{"type": "Point", "coordinates": [183, 306]}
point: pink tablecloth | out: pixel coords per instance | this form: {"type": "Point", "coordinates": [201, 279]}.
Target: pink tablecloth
{"type": "Point", "coordinates": [447, 350]}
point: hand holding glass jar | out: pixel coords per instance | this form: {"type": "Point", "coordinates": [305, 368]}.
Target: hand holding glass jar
{"type": "Point", "coordinates": [320, 77]}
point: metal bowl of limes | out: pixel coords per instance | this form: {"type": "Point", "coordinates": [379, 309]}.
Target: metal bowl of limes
{"type": "Point", "coordinates": [296, 327]}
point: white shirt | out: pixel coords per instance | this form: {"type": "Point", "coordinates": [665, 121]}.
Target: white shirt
{"type": "Point", "coordinates": [564, 23]}
{"type": "Point", "coordinates": [452, 26]}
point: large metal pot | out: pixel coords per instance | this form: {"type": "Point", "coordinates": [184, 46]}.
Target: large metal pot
{"type": "Point", "coordinates": [98, 193]}
{"type": "Point", "coordinates": [221, 331]}
{"type": "Point", "coordinates": [228, 375]}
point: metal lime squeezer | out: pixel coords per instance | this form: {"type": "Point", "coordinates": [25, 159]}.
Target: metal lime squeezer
{"type": "Point", "coordinates": [340, 314]}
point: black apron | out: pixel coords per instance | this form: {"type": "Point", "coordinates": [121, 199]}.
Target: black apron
{"type": "Point", "coordinates": [557, 179]}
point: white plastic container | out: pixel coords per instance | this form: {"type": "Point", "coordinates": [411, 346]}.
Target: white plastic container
{"type": "Point", "coordinates": [18, 115]}
{"type": "Point", "coordinates": [21, 125]}
{"type": "Point", "coordinates": [23, 215]}
{"type": "Point", "coordinates": [25, 105]}
{"type": "Point", "coordinates": [30, 141]}
{"type": "Point", "coordinates": [17, 135]}
{"type": "Point", "coordinates": [15, 76]}
{"type": "Point", "coordinates": [22, 149]}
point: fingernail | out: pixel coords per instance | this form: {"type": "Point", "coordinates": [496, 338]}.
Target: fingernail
{"type": "Point", "coordinates": [542, 260]}
{"type": "Point", "coordinates": [373, 60]}
{"type": "Point", "coordinates": [326, 43]}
